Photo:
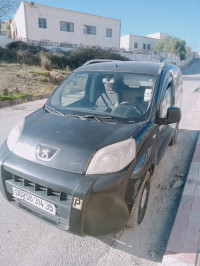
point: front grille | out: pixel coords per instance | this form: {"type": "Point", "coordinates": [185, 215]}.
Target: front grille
{"type": "Point", "coordinates": [62, 196]}
{"type": "Point", "coordinates": [59, 198]}
{"type": "Point", "coordinates": [48, 184]}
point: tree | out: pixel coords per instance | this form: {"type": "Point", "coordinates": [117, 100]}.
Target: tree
{"type": "Point", "coordinates": [188, 51]}
{"type": "Point", "coordinates": [6, 7]}
{"type": "Point", "coordinates": [173, 45]}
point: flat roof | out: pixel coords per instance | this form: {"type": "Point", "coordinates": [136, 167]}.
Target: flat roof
{"type": "Point", "coordinates": [73, 11]}
{"type": "Point", "coordinates": [139, 36]}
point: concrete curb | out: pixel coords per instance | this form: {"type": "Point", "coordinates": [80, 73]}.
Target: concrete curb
{"type": "Point", "coordinates": [183, 246]}
{"type": "Point", "coordinates": [22, 100]}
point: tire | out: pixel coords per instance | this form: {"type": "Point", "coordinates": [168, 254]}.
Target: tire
{"type": "Point", "coordinates": [174, 137]}
{"type": "Point", "coordinates": [140, 205]}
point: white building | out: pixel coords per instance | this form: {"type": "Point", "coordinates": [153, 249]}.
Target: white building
{"type": "Point", "coordinates": [37, 22]}
{"type": "Point", "coordinates": [3, 29]}
{"type": "Point", "coordinates": [158, 35]}
{"type": "Point", "coordinates": [4, 34]}
{"type": "Point", "coordinates": [134, 42]}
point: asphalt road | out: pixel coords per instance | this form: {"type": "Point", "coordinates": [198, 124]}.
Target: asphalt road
{"type": "Point", "coordinates": [25, 240]}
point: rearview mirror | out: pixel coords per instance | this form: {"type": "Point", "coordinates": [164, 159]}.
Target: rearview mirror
{"type": "Point", "coordinates": [173, 116]}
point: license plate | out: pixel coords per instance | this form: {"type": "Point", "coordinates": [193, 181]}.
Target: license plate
{"type": "Point", "coordinates": [38, 202]}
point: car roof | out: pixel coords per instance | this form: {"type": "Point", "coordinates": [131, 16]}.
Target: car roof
{"type": "Point", "coordinates": [123, 66]}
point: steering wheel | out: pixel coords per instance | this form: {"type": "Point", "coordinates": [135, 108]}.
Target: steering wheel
{"type": "Point", "coordinates": [131, 106]}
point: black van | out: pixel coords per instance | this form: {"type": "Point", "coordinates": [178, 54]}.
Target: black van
{"type": "Point", "coordinates": [84, 161]}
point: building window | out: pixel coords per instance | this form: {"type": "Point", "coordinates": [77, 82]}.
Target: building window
{"type": "Point", "coordinates": [144, 46]}
{"type": "Point", "coordinates": [89, 29]}
{"type": "Point", "coordinates": [135, 45]}
{"type": "Point", "coordinates": [66, 26]}
{"type": "Point", "coordinates": [148, 47]}
{"type": "Point", "coordinates": [42, 23]}
{"type": "Point", "coordinates": [108, 32]}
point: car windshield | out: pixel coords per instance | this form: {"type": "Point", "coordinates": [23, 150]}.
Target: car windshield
{"type": "Point", "coordinates": [121, 95]}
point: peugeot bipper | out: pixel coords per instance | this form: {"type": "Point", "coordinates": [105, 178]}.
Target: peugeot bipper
{"type": "Point", "coordinates": [83, 162]}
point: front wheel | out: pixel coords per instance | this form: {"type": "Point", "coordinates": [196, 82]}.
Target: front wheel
{"type": "Point", "coordinates": [140, 204]}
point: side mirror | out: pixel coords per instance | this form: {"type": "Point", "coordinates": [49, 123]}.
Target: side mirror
{"type": "Point", "coordinates": [173, 116]}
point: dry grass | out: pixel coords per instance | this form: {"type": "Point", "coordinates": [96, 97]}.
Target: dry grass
{"type": "Point", "coordinates": [45, 62]}
{"type": "Point", "coordinates": [16, 80]}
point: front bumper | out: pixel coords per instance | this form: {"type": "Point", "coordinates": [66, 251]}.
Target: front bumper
{"type": "Point", "coordinates": [93, 205]}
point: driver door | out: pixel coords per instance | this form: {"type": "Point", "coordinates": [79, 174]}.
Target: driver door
{"type": "Point", "coordinates": [165, 131]}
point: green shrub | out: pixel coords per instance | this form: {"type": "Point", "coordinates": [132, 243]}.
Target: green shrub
{"type": "Point", "coordinates": [26, 57]}
{"type": "Point", "coordinates": [81, 55]}
{"type": "Point", "coordinates": [18, 45]}
{"type": "Point", "coordinates": [24, 53]}
{"type": "Point", "coordinates": [9, 56]}
{"type": "Point", "coordinates": [173, 45]}
{"type": "Point", "coordinates": [2, 51]}
{"type": "Point", "coordinates": [59, 62]}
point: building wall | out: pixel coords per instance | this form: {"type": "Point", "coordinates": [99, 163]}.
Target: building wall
{"type": "Point", "coordinates": [158, 35]}
{"type": "Point", "coordinates": [125, 42]}
{"type": "Point", "coordinates": [158, 57]}
{"type": "Point", "coordinates": [135, 42]}
{"type": "Point", "coordinates": [53, 33]}
{"type": "Point", "coordinates": [3, 29]}
{"type": "Point", "coordinates": [4, 39]}
{"type": "Point", "coordinates": [18, 25]}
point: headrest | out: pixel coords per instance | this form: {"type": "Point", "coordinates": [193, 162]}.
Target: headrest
{"type": "Point", "coordinates": [108, 80]}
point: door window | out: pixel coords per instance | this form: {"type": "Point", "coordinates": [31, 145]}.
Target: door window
{"type": "Point", "coordinates": [167, 101]}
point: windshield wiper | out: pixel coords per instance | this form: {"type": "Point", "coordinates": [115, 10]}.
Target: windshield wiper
{"type": "Point", "coordinates": [50, 109]}
{"type": "Point", "coordinates": [76, 116]}
{"type": "Point", "coordinates": [86, 117]}
{"type": "Point", "coordinates": [97, 118]}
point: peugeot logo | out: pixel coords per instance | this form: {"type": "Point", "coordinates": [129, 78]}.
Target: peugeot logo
{"type": "Point", "coordinates": [46, 153]}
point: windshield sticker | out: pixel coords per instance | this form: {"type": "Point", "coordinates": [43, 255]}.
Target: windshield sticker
{"type": "Point", "coordinates": [147, 95]}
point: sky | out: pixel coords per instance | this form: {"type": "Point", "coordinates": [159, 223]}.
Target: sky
{"type": "Point", "coordinates": [180, 18]}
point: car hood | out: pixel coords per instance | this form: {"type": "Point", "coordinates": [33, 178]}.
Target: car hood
{"type": "Point", "coordinates": [73, 141]}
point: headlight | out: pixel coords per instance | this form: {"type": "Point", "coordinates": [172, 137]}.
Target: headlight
{"type": "Point", "coordinates": [14, 135]}
{"type": "Point", "coordinates": [112, 158]}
